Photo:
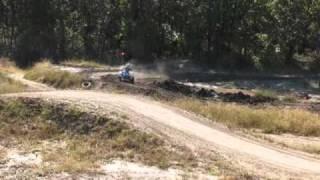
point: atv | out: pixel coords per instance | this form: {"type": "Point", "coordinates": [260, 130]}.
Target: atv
{"type": "Point", "coordinates": [126, 75]}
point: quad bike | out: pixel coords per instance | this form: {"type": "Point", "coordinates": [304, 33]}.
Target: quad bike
{"type": "Point", "coordinates": [126, 75]}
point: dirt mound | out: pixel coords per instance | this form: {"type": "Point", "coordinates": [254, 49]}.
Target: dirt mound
{"type": "Point", "coordinates": [149, 115]}
{"type": "Point", "coordinates": [240, 97]}
{"type": "Point", "coordinates": [145, 88]}
{"type": "Point", "coordinates": [171, 89]}
{"type": "Point", "coordinates": [110, 78]}
{"type": "Point", "coordinates": [173, 86]}
{"type": "Point", "coordinates": [68, 119]}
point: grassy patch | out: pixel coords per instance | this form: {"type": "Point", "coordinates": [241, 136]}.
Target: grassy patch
{"type": "Point", "coordinates": [82, 63]}
{"type": "Point", "coordinates": [8, 66]}
{"type": "Point", "coordinates": [45, 73]}
{"type": "Point", "coordinates": [89, 139]}
{"type": "Point", "coordinates": [8, 85]}
{"type": "Point", "coordinates": [268, 119]}
{"type": "Point", "coordinates": [311, 145]}
{"type": "Point", "coordinates": [266, 94]}
{"type": "Point", "coordinates": [309, 149]}
{"type": "Point", "coordinates": [3, 154]}
{"type": "Point", "coordinates": [290, 99]}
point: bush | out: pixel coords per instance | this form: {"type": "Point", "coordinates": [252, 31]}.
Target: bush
{"type": "Point", "coordinates": [8, 66]}
{"type": "Point", "coordinates": [8, 85]}
{"type": "Point", "coordinates": [266, 94]}
{"type": "Point", "coordinates": [289, 99]}
{"type": "Point", "coordinates": [45, 73]}
{"type": "Point", "coordinates": [315, 64]}
{"type": "Point", "coordinates": [82, 63]}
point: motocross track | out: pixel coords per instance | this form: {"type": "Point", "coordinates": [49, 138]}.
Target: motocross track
{"type": "Point", "coordinates": [32, 86]}
{"type": "Point", "coordinates": [192, 131]}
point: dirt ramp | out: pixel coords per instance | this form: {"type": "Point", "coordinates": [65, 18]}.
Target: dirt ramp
{"type": "Point", "coordinates": [176, 87]}
{"type": "Point", "coordinates": [242, 98]}
{"type": "Point", "coordinates": [194, 91]}
{"type": "Point", "coordinates": [187, 129]}
{"type": "Point", "coordinates": [169, 89]}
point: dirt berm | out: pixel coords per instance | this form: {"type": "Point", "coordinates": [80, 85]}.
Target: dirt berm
{"type": "Point", "coordinates": [169, 89]}
{"type": "Point", "coordinates": [192, 132]}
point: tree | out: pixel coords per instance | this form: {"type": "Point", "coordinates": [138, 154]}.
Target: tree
{"type": "Point", "coordinates": [294, 25]}
{"type": "Point", "coordinates": [229, 33]}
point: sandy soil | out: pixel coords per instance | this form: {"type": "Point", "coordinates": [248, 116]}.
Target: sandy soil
{"type": "Point", "coordinates": [191, 131]}
{"type": "Point", "coordinates": [27, 165]}
{"type": "Point", "coordinates": [118, 169]}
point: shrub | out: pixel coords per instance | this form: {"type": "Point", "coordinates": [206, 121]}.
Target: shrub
{"type": "Point", "coordinates": [8, 85]}
{"type": "Point", "coordinates": [289, 99]}
{"type": "Point", "coordinates": [8, 66]}
{"type": "Point", "coordinates": [82, 63]}
{"type": "Point", "coordinates": [266, 94]}
{"type": "Point", "coordinates": [45, 72]}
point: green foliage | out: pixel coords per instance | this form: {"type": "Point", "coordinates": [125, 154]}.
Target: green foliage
{"type": "Point", "coordinates": [296, 25]}
{"type": "Point", "coordinates": [263, 32]}
{"type": "Point", "coordinates": [315, 62]}
{"type": "Point", "coordinates": [289, 99]}
{"type": "Point", "coordinates": [267, 94]}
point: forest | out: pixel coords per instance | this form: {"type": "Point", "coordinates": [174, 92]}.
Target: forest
{"type": "Point", "coordinates": [221, 33]}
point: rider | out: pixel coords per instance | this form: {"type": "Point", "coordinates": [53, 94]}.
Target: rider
{"type": "Point", "coordinates": [126, 70]}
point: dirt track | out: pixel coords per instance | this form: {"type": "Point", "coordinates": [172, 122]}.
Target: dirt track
{"type": "Point", "coordinates": [32, 86]}
{"type": "Point", "coordinates": [193, 132]}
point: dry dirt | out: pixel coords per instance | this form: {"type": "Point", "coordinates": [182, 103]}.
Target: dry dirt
{"type": "Point", "coordinates": [28, 165]}
{"type": "Point", "coordinates": [191, 131]}
{"type": "Point", "coordinates": [32, 86]}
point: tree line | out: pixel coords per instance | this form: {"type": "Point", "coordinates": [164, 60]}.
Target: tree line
{"type": "Point", "coordinates": [235, 33]}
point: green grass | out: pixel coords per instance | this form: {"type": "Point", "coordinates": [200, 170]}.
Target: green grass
{"type": "Point", "coordinates": [89, 139]}
{"type": "Point", "coordinates": [45, 73]}
{"type": "Point", "coordinates": [268, 119]}
{"type": "Point", "coordinates": [289, 99]}
{"type": "Point", "coordinates": [266, 94]}
{"type": "Point", "coordinates": [82, 63]}
{"type": "Point", "coordinates": [8, 85]}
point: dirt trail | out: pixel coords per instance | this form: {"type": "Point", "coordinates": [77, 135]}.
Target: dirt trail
{"type": "Point", "coordinates": [33, 86]}
{"type": "Point", "coordinates": [258, 158]}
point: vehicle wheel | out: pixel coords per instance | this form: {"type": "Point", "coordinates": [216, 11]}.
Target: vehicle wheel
{"type": "Point", "coordinates": [87, 84]}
